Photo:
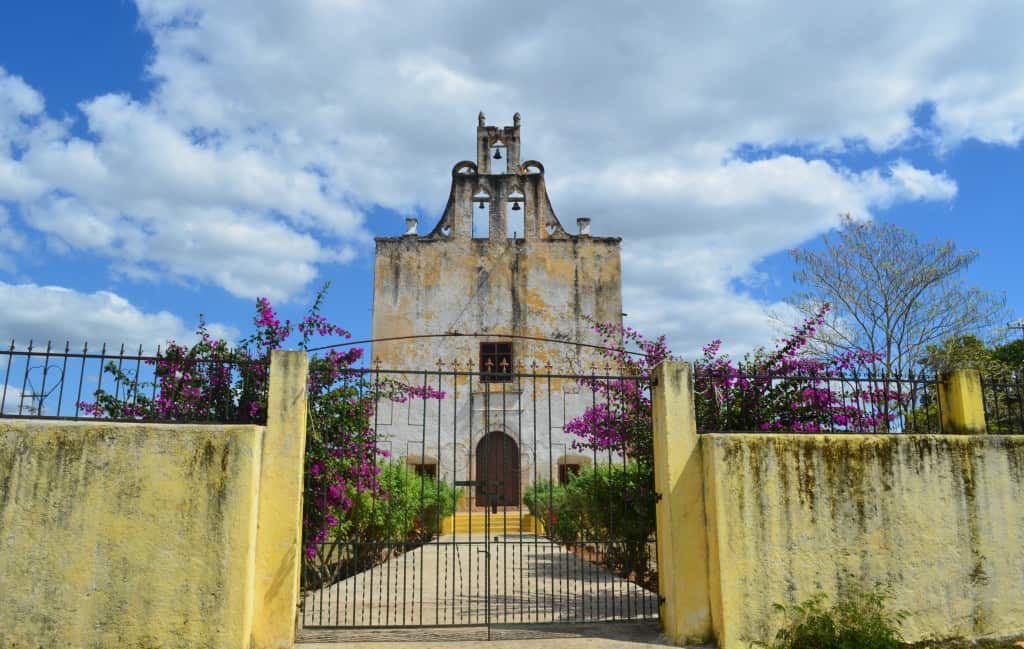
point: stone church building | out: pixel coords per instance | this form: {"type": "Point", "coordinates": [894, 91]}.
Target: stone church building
{"type": "Point", "coordinates": [489, 307]}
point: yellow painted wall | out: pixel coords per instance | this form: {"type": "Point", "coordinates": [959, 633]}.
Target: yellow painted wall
{"type": "Point", "coordinates": [129, 536]}
{"type": "Point", "coordinates": [938, 518]}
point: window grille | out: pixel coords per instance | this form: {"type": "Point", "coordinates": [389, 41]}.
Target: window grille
{"type": "Point", "coordinates": [495, 362]}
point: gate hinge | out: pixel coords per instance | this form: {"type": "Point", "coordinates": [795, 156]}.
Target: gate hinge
{"type": "Point", "coordinates": [661, 599]}
{"type": "Point", "coordinates": [657, 497]}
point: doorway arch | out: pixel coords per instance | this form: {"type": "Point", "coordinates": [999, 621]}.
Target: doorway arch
{"type": "Point", "coordinates": [497, 470]}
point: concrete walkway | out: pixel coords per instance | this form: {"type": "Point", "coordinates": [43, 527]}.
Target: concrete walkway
{"type": "Point", "coordinates": [618, 635]}
{"type": "Point", "coordinates": [445, 582]}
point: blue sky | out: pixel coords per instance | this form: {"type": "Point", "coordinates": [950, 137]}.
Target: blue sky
{"type": "Point", "coordinates": [165, 159]}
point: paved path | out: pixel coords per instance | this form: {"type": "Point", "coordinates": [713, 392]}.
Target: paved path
{"type": "Point", "coordinates": [619, 635]}
{"type": "Point", "coordinates": [531, 580]}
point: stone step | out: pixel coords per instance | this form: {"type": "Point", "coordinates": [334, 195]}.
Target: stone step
{"type": "Point", "coordinates": [501, 523]}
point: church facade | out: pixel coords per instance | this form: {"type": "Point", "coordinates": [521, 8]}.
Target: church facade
{"type": "Point", "coordinates": [494, 307]}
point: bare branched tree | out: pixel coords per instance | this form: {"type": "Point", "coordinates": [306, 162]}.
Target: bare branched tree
{"type": "Point", "coordinates": [891, 294]}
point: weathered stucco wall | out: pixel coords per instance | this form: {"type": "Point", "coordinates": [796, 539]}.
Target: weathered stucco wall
{"type": "Point", "coordinates": [522, 280]}
{"type": "Point", "coordinates": [534, 279]}
{"type": "Point", "coordinates": [527, 287]}
{"type": "Point", "coordinates": [542, 288]}
{"type": "Point", "coordinates": [123, 535]}
{"type": "Point", "coordinates": [940, 519]}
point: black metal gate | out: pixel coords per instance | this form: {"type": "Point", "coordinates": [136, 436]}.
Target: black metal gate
{"type": "Point", "coordinates": [491, 511]}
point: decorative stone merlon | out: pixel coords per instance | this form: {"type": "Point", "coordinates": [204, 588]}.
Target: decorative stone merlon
{"type": "Point", "coordinates": [410, 227]}
{"type": "Point", "coordinates": [584, 226]}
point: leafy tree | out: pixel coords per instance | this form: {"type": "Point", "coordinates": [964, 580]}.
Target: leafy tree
{"type": "Point", "coordinates": [893, 295]}
{"type": "Point", "coordinates": [1002, 372]}
{"type": "Point", "coordinates": [966, 351]}
{"type": "Point", "coordinates": [1011, 354]}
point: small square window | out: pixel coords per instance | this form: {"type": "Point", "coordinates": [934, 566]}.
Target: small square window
{"type": "Point", "coordinates": [566, 471]}
{"type": "Point", "coordinates": [495, 362]}
{"type": "Point", "coordinates": [428, 470]}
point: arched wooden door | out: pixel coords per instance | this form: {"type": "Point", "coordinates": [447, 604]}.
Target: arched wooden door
{"type": "Point", "coordinates": [497, 470]}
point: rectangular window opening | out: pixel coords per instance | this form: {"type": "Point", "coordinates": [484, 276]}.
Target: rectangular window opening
{"type": "Point", "coordinates": [428, 470]}
{"type": "Point", "coordinates": [495, 362]}
{"type": "Point", "coordinates": [566, 471]}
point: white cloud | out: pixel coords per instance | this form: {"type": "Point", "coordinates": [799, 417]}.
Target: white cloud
{"type": "Point", "coordinates": [11, 241]}
{"type": "Point", "coordinates": [59, 315]}
{"type": "Point", "coordinates": [274, 126]}
{"type": "Point", "coordinates": [145, 194]}
{"type": "Point", "coordinates": [17, 101]}
{"type": "Point", "coordinates": [905, 183]}
{"type": "Point", "coordinates": [702, 231]}
{"type": "Point", "coordinates": [11, 402]}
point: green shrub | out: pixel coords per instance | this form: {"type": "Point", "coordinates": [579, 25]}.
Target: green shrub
{"type": "Point", "coordinates": [409, 511]}
{"type": "Point", "coordinates": [615, 508]}
{"type": "Point", "coordinates": [546, 501]}
{"type": "Point", "coordinates": [858, 620]}
{"type": "Point", "coordinates": [610, 506]}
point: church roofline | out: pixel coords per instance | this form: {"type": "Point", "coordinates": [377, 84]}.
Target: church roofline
{"type": "Point", "coordinates": [519, 190]}
{"type": "Point", "coordinates": [433, 239]}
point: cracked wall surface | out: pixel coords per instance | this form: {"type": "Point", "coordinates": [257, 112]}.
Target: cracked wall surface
{"type": "Point", "coordinates": [518, 283]}
{"type": "Point", "coordinates": [937, 518]}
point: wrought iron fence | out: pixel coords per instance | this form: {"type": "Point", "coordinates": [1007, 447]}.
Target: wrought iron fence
{"type": "Point", "coordinates": [118, 385]}
{"type": "Point", "coordinates": [1003, 398]}
{"type": "Point", "coordinates": [481, 534]}
{"type": "Point", "coordinates": [812, 403]}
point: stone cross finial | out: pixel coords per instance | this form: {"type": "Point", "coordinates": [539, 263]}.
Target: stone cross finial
{"type": "Point", "coordinates": [480, 118]}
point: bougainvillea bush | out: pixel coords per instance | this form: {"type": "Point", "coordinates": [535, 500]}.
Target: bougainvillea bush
{"type": "Point", "coordinates": [613, 501]}
{"type": "Point", "coordinates": [787, 388]}
{"type": "Point", "coordinates": [620, 420]}
{"type": "Point", "coordinates": [792, 389]}
{"type": "Point", "coordinates": [213, 381]}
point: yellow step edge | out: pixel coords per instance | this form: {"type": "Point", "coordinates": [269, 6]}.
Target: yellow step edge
{"type": "Point", "coordinates": [514, 523]}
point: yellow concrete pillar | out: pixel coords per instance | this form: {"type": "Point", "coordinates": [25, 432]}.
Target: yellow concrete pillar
{"type": "Point", "coordinates": [683, 574]}
{"type": "Point", "coordinates": [960, 402]}
{"type": "Point", "coordinates": [279, 521]}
